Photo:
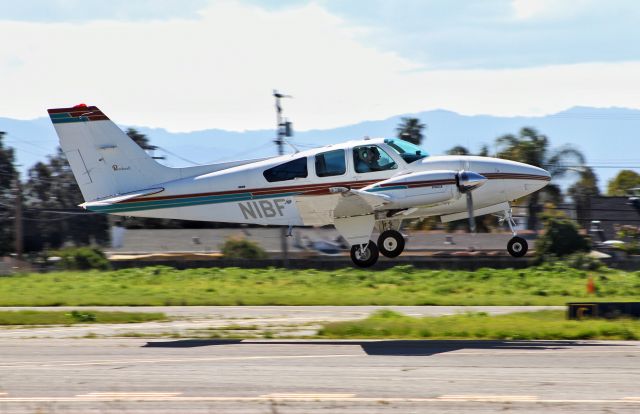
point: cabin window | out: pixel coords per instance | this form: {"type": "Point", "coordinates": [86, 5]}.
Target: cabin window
{"type": "Point", "coordinates": [287, 171]}
{"type": "Point", "coordinates": [371, 158]}
{"type": "Point", "coordinates": [331, 163]}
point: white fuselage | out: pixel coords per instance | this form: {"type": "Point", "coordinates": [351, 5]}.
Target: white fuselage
{"type": "Point", "coordinates": [242, 194]}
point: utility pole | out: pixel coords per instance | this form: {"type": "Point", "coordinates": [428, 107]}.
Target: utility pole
{"type": "Point", "coordinates": [283, 129]}
{"type": "Point", "coordinates": [19, 236]}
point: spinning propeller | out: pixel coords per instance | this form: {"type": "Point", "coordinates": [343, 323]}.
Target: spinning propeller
{"type": "Point", "coordinates": [467, 181]}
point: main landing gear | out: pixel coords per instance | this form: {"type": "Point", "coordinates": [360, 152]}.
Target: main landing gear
{"type": "Point", "coordinates": [391, 243]}
{"type": "Point", "coordinates": [517, 246]}
{"type": "Point", "coordinates": [365, 255]}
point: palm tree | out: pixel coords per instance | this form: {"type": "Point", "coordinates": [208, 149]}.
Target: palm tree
{"type": "Point", "coordinates": [141, 139]}
{"type": "Point", "coordinates": [458, 150]}
{"type": "Point", "coordinates": [532, 148]}
{"type": "Point", "coordinates": [582, 191]}
{"type": "Point", "coordinates": [410, 129]}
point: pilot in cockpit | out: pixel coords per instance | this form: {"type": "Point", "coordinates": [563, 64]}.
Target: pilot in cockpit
{"type": "Point", "coordinates": [368, 160]}
{"type": "Point", "coordinates": [363, 161]}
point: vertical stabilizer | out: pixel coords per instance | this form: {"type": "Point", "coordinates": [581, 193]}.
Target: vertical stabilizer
{"type": "Point", "coordinates": [104, 160]}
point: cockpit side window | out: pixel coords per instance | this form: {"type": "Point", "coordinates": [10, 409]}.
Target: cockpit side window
{"type": "Point", "coordinates": [288, 171]}
{"type": "Point", "coordinates": [371, 158]}
{"type": "Point", "coordinates": [331, 163]}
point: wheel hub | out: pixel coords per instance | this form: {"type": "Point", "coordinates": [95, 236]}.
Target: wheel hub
{"type": "Point", "coordinates": [363, 254]}
{"type": "Point", "coordinates": [517, 247]}
{"type": "Point", "coordinates": [390, 244]}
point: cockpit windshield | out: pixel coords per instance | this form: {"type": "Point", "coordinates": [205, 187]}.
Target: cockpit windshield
{"type": "Point", "coordinates": [408, 151]}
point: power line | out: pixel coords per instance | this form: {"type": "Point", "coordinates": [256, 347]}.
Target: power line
{"type": "Point", "coordinates": [592, 166]}
{"type": "Point", "coordinates": [177, 156]}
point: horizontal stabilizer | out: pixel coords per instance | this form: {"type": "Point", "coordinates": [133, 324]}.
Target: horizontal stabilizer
{"type": "Point", "coordinates": [121, 197]}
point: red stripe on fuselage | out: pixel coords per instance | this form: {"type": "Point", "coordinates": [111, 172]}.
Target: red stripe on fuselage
{"type": "Point", "coordinates": [323, 188]}
{"type": "Point", "coordinates": [305, 189]}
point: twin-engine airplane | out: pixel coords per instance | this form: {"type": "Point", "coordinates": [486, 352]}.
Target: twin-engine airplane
{"type": "Point", "coordinates": [358, 186]}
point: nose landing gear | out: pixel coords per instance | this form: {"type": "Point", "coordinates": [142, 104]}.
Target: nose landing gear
{"type": "Point", "coordinates": [517, 246]}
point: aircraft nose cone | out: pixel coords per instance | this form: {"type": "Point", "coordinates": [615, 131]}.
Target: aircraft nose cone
{"type": "Point", "coordinates": [538, 174]}
{"type": "Point", "coordinates": [534, 178]}
{"type": "Point", "coordinates": [544, 174]}
{"type": "Point", "coordinates": [469, 180]}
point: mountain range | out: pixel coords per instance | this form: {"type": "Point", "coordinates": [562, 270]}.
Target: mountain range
{"type": "Point", "coordinates": [607, 136]}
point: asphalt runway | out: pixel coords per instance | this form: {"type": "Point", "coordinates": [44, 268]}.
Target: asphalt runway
{"type": "Point", "coordinates": [116, 375]}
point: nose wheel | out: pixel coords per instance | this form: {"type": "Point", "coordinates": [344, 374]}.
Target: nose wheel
{"type": "Point", "coordinates": [391, 243]}
{"type": "Point", "coordinates": [365, 255]}
{"type": "Point", "coordinates": [517, 246]}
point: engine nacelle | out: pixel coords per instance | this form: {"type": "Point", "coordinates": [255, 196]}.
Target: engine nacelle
{"type": "Point", "coordinates": [418, 189]}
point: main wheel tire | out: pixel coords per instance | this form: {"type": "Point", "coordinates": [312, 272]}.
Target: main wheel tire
{"type": "Point", "coordinates": [517, 247]}
{"type": "Point", "coordinates": [366, 258]}
{"type": "Point", "coordinates": [391, 243]}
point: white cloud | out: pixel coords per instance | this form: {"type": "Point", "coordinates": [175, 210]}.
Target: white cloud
{"type": "Point", "coordinates": [218, 72]}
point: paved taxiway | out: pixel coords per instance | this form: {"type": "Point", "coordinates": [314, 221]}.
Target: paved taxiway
{"type": "Point", "coordinates": [285, 376]}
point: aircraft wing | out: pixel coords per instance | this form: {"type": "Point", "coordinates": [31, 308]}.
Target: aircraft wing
{"type": "Point", "coordinates": [120, 198]}
{"type": "Point", "coordinates": [350, 211]}
{"type": "Point", "coordinates": [353, 214]}
{"type": "Point", "coordinates": [358, 203]}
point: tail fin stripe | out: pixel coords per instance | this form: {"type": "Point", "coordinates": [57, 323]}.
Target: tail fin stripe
{"type": "Point", "coordinates": [63, 115]}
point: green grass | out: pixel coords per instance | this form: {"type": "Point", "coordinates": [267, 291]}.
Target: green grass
{"type": "Point", "coordinates": [553, 284]}
{"type": "Point", "coordinates": [525, 325]}
{"type": "Point", "coordinates": [31, 317]}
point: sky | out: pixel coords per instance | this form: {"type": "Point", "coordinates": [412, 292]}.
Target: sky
{"type": "Point", "coordinates": [189, 65]}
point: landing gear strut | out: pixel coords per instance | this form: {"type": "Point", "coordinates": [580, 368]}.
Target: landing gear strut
{"type": "Point", "coordinates": [364, 255]}
{"type": "Point", "coordinates": [517, 246]}
{"type": "Point", "coordinates": [391, 243]}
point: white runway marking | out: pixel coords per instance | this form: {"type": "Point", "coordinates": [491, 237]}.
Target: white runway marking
{"type": "Point", "coordinates": [54, 364]}
{"type": "Point", "coordinates": [305, 395]}
{"type": "Point", "coordinates": [484, 397]}
{"type": "Point", "coordinates": [477, 379]}
{"type": "Point", "coordinates": [153, 397]}
{"type": "Point", "coordinates": [128, 395]}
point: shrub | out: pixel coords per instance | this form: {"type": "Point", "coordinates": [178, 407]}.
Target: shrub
{"type": "Point", "coordinates": [240, 248]}
{"type": "Point", "coordinates": [561, 238]}
{"type": "Point", "coordinates": [81, 258]}
{"type": "Point", "coordinates": [83, 316]}
{"type": "Point", "coordinates": [583, 261]}
{"type": "Point", "coordinates": [631, 237]}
